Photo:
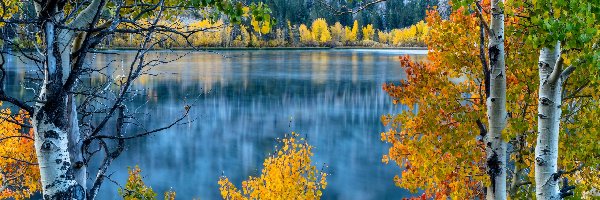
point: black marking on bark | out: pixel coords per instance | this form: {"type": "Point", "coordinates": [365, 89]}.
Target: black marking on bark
{"type": "Point", "coordinates": [46, 146]}
{"type": "Point", "coordinates": [55, 110]}
{"type": "Point", "coordinates": [39, 116]}
{"type": "Point", "coordinates": [74, 192]}
{"type": "Point", "coordinates": [492, 99]}
{"type": "Point", "coordinates": [493, 168]}
{"type": "Point", "coordinates": [499, 75]}
{"type": "Point", "coordinates": [543, 65]}
{"type": "Point", "coordinates": [489, 144]}
{"type": "Point", "coordinates": [78, 164]}
{"type": "Point", "coordinates": [557, 175]}
{"type": "Point", "coordinates": [70, 172]}
{"type": "Point", "coordinates": [545, 151]}
{"type": "Point", "coordinates": [65, 166]}
{"type": "Point", "coordinates": [494, 53]}
{"type": "Point", "coordinates": [51, 134]}
{"type": "Point", "coordinates": [542, 116]}
{"type": "Point", "coordinates": [546, 101]}
{"type": "Point", "coordinates": [58, 161]}
{"type": "Point", "coordinates": [540, 161]}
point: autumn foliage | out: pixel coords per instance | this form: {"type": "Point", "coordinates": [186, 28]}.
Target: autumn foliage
{"type": "Point", "coordinates": [287, 174]}
{"type": "Point", "coordinates": [135, 188]}
{"type": "Point", "coordinates": [19, 173]}
{"type": "Point", "coordinates": [436, 138]}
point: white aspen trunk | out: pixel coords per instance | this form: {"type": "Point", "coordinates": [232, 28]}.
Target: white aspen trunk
{"type": "Point", "coordinates": [496, 107]}
{"type": "Point", "coordinates": [51, 141]}
{"type": "Point", "coordinates": [549, 112]}
{"type": "Point", "coordinates": [55, 122]}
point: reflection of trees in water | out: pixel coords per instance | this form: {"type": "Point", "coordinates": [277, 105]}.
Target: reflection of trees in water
{"type": "Point", "coordinates": [243, 100]}
{"type": "Point", "coordinates": [239, 126]}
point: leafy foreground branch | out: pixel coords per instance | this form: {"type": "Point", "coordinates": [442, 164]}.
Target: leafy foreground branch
{"type": "Point", "coordinates": [287, 174]}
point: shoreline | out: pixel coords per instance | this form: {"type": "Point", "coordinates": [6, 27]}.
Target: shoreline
{"type": "Point", "coordinates": [269, 48]}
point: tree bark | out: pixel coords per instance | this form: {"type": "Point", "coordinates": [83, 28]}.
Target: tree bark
{"type": "Point", "coordinates": [55, 122]}
{"type": "Point", "coordinates": [51, 129]}
{"type": "Point", "coordinates": [549, 111]}
{"type": "Point", "coordinates": [496, 107]}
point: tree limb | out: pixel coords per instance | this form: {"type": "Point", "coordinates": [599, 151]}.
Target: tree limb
{"type": "Point", "coordinates": [482, 19]}
{"type": "Point", "coordinates": [567, 72]}
{"type": "Point", "coordinates": [4, 96]}
{"type": "Point", "coordinates": [557, 70]}
{"type": "Point", "coordinates": [86, 16]}
{"type": "Point", "coordinates": [344, 10]}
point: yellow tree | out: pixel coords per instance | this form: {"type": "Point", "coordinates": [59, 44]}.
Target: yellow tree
{"type": "Point", "coordinates": [368, 32]}
{"type": "Point", "coordinates": [352, 34]}
{"type": "Point", "coordinates": [287, 174]}
{"type": "Point", "coordinates": [306, 37]}
{"type": "Point", "coordinates": [383, 37]}
{"type": "Point", "coordinates": [320, 31]}
{"type": "Point", "coordinates": [337, 32]}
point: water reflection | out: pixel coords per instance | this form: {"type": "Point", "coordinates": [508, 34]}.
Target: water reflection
{"type": "Point", "coordinates": [246, 99]}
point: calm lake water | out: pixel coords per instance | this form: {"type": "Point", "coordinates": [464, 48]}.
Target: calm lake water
{"type": "Point", "coordinates": [244, 100]}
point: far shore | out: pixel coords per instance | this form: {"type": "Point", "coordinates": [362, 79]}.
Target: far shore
{"type": "Point", "coordinates": [275, 48]}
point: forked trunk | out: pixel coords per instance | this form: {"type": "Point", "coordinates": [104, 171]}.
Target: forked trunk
{"type": "Point", "coordinates": [549, 111]}
{"type": "Point", "coordinates": [55, 123]}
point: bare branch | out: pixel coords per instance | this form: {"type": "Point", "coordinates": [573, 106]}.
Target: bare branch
{"type": "Point", "coordinates": [19, 160]}
{"type": "Point", "coordinates": [4, 96]}
{"type": "Point", "coordinates": [344, 10]}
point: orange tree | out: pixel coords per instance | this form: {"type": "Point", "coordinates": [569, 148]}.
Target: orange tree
{"type": "Point", "coordinates": [19, 175]}
{"type": "Point", "coordinates": [438, 137]}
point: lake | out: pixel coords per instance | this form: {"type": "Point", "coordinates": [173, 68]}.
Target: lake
{"type": "Point", "coordinates": [242, 101]}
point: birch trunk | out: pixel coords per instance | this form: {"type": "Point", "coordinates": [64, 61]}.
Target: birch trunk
{"type": "Point", "coordinates": [55, 122]}
{"type": "Point", "coordinates": [549, 111]}
{"type": "Point", "coordinates": [50, 126]}
{"type": "Point", "coordinates": [496, 107]}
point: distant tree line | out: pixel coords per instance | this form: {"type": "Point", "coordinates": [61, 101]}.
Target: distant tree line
{"type": "Point", "coordinates": [387, 15]}
{"type": "Point", "coordinates": [317, 33]}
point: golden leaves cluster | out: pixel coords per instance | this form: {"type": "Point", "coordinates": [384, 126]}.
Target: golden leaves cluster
{"type": "Point", "coordinates": [136, 189]}
{"type": "Point", "coordinates": [287, 174]}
